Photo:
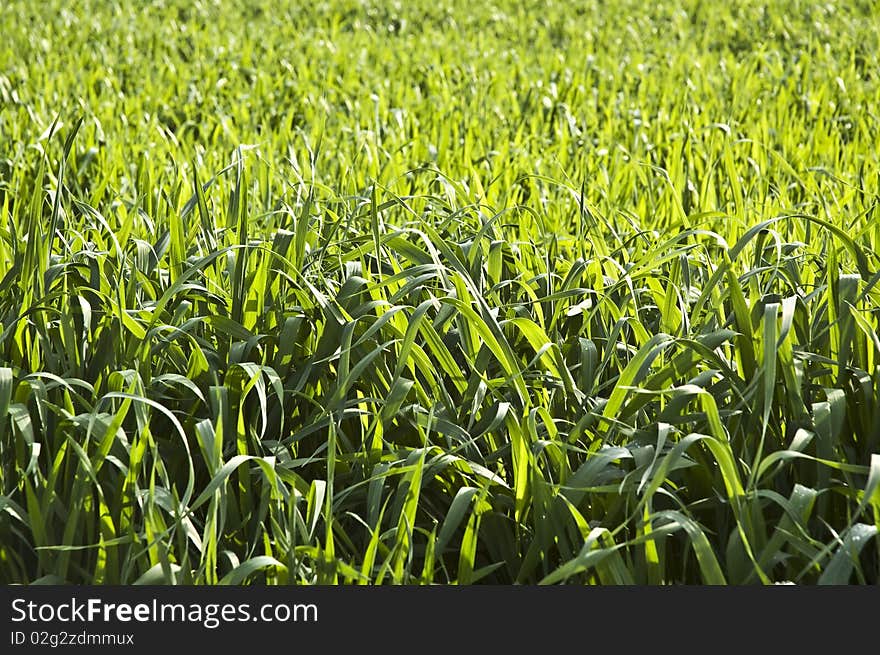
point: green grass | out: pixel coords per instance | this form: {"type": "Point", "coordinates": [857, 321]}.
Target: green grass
{"type": "Point", "coordinates": [439, 292]}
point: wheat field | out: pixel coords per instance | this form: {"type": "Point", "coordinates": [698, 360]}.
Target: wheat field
{"type": "Point", "coordinates": [439, 292]}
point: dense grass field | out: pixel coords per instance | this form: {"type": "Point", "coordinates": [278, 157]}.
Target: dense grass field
{"type": "Point", "coordinates": [439, 292]}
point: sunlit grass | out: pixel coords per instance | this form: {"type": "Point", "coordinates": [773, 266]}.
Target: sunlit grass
{"type": "Point", "coordinates": [439, 292]}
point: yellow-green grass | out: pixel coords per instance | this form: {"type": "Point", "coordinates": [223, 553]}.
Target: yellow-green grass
{"type": "Point", "coordinates": [439, 292]}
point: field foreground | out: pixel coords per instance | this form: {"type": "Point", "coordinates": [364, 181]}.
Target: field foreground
{"type": "Point", "coordinates": [439, 292]}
